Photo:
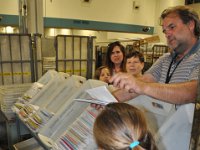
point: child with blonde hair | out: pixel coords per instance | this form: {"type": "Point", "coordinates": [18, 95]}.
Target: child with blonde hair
{"type": "Point", "coordinates": [103, 73]}
{"type": "Point", "coordinates": [121, 126]}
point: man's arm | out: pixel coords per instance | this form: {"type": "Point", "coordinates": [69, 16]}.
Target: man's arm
{"type": "Point", "coordinates": [123, 95]}
{"type": "Point", "coordinates": [176, 93]}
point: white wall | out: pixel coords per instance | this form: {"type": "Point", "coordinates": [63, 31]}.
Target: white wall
{"type": "Point", "coordinates": [117, 11]}
{"type": "Point", "coordinates": [9, 7]}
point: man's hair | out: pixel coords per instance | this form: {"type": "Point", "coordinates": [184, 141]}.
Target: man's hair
{"type": "Point", "coordinates": [186, 14]}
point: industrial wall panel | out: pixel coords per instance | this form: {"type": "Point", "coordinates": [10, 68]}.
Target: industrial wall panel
{"type": "Point", "coordinates": [16, 59]}
{"type": "Point", "coordinates": [74, 55]}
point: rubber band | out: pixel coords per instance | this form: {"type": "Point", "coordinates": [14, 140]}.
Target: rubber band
{"type": "Point", "coordinates": [134, 144]}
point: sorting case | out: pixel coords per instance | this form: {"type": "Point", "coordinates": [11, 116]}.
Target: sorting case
{"type": "Point", "coordinates": [39, 107]}
{"type": "Point", "coordinates": [50, 110]}
{"type": "Point", "coordinates": [67, 123]}
{"type": "Point", "coordinates": [70, 111]}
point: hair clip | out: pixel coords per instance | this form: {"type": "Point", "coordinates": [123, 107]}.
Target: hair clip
{"type": "Point", "coordinates": [134, 144]}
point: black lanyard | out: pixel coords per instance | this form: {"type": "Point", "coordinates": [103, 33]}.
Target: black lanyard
{"type": "Point", "coordinates": [193, 50]}
{"type": "Point", "coordinates": [169, 75]}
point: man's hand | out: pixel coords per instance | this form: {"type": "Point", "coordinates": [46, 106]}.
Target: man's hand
{"type": "Point", "coordinates": [123, 95]}
{"type": "Point", "coordinates": [126, 81]}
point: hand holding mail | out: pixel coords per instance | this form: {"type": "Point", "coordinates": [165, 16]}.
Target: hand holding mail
{"type": "Point", "coordinates": [128, 82]}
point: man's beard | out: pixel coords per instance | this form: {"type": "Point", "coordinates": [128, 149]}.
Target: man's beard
{"type": "Point", "coordinates": [180, 48]}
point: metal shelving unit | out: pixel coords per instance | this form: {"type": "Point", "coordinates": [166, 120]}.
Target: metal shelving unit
{"type": "Point", "coordinates": [74, 55]}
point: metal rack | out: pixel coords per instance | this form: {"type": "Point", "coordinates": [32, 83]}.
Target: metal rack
{"type": "Point", "coordinates": [20, 58]}
{"type": "Point", "coordinates": [16, 59]}
{"type": "Point", "coordinates": [157, 51]}
{"type": "Point", "coordinates": [74, 55]}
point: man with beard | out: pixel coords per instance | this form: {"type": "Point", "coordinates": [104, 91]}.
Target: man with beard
{"type": "Point", "coordinates": [173, 78]}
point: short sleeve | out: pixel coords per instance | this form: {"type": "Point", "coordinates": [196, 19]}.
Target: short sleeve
{"type": "Point", "coordinates": [195, 73]}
